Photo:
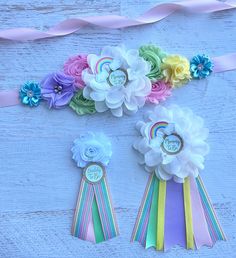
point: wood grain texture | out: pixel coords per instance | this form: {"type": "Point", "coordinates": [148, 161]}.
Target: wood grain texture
{"type": "Point", "coordinates": [38, 180]}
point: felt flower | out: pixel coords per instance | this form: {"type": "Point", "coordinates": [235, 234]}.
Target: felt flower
{"type": "Point", "coordinates": [91, 147]}
{"type": "Point", "coordinates": [200, 66]}
{"type": "Point", "coordinates": [82, 105]}
{"type": "Point", "coordinates": [172, 143]}
{"type": "Point", "coordinates": [30, 94]}
{"type": "Point", "coordinates": [154, 56]}
{"type": "Point", "coordinates": [176, 70]}
{"type": "Point", "coordinates": [57, 89]}
{"type": "Point", "coordinates": [160, 91]}
{"type": "Point", "coordinates": [116, 80]}
{"type": "Point", "coordinates": [74, 67]}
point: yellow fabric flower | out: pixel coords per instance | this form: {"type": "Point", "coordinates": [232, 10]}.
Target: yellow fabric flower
{"type": "Point", "coordinates": [176, 70]}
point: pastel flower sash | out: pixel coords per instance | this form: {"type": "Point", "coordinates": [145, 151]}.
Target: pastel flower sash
{"type": "Point", "coordinates": [118, 80]}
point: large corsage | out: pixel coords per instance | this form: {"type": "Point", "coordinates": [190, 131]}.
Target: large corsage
{"type": "Point", "coordinates": [94, 218]}
{"type": "Point", "coordinates": [176, 208]}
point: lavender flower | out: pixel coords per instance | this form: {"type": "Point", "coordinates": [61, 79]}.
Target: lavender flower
{"type": "Point", "coordinates": [57, 89]}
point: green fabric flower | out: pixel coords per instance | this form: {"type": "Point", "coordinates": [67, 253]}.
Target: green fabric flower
{"type": "Point", "coordinates": [154, 56]}
{"type": "Point", "coordinates": [82, 105]}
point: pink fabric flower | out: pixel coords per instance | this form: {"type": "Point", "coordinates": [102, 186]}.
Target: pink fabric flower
{"type": "Point", "coordinates": [160, 91]}
{"type": "Point", "coordinates": [74, 67]}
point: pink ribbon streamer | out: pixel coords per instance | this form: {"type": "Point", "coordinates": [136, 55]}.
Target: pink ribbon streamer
{"type": "Point", "coordinates": [90, 233]}
{"type": "Point", "coordinates": [224, 63]}
{"type": "Point", "coordinates": [200, 228]}
{"type": "Point", "coordinates": [9, 98]}
{"type": "Point", "coordinates": [153, 15]}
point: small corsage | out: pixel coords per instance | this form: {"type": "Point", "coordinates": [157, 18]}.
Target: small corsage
{"type": "Point", "coordinates": [94, 218]}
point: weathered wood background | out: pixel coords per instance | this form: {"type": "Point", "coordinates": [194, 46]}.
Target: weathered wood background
{"type": "Point", "coordinates": [38, 180]}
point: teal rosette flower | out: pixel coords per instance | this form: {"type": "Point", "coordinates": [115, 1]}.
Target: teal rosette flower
{"type": "Point", "coordinates": [30, 94]}
{"type": "Point", "coordinates": [154, 56]}
{"type": "Point", "coordinates": [82, 105]}
{"type": "Point", "coordinates": [201, 66]}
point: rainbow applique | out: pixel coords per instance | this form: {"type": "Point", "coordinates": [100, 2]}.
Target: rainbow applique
{"type": "Point", "coordinates": [102, 63]}
{"type": "Point", "coordinates": [157, 126]}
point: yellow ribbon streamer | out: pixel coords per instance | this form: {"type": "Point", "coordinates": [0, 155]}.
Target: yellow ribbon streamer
{"type": "Point", "coordinates": [188, 214]}
{"type": "Point", "coordinates": [161, 215]}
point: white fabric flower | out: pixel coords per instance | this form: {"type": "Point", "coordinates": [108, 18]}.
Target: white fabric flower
{"type": "Point", "coordinates": [116, 80]}
{"type": "Point", "coordinates": [172, 143]}
{"type": "Point", "coordinates": [91, 147]}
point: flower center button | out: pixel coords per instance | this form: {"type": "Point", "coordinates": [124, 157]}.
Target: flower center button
{"type": "Point", "coordinates": [94, 173]}
{"type": "Point", "coordinates": [172, 144]}
{"type": "Point", "coordinates": [117, 78]}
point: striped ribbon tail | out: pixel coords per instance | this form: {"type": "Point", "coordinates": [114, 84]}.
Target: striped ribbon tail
{"type": "Point", "coordinates": [83, 210]}
{"type": "Point", "coordinates": [214, 226]}
{"type": "Point", "coordinates": [105, 210]}
{"type": "Point", "coordinates": [176, 214]}
{"type": "Point", "coordinates": [94, 218]}
{"type": "Point", "coordinates": [140, 228]}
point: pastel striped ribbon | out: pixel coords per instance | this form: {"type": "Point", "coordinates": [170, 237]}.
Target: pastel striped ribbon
{"type": "Point", "coordinates": [214, 226]}
{"type": "Point", "coordinates": [151, 239]}
{"type": "Point", "coordinates": [140, 228]}
{"type": "Point", "coordinates": [83, 210]}
{"type": "Point", "coordinates": [94, 207]}
{"type": "Point", "coordinates": [173, 213]}
{"type": "Point", "coordinates": [105, 209]}
{"type": "Point", "coordinates": [155, 14]}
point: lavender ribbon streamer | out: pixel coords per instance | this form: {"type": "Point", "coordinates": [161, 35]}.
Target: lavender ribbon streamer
{"type": "Point", "coordinates": [9, 98]}
{"type": "Point", "coordinates": [200, 228]}
{"type": "Point", "coordinates": [174, 216]}
{"type": "Point", "coordinates": [153, 15]}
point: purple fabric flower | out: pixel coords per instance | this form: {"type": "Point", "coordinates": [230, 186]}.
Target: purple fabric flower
{"type": "Point", "coordinates": [57, 89]}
